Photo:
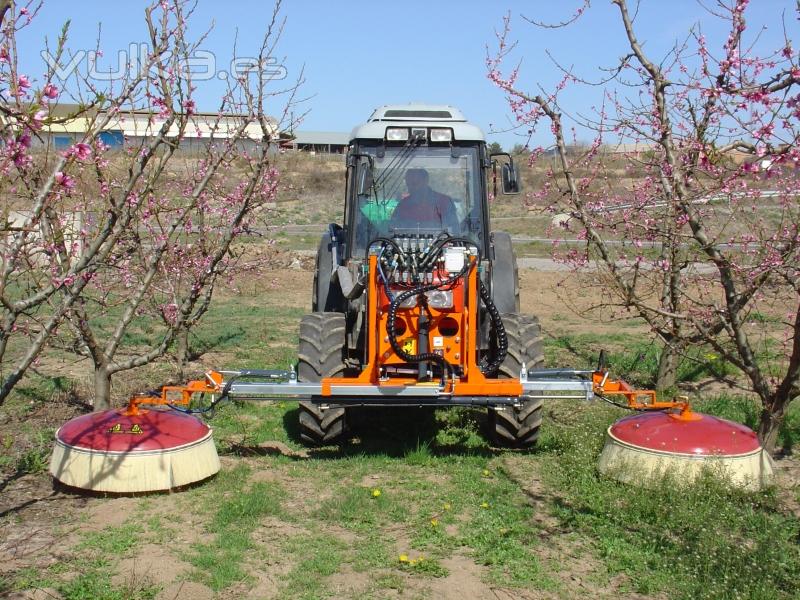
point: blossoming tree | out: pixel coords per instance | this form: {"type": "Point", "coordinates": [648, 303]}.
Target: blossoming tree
{"type": "Point", "coordinates": [104, 239]}
{"type": "Point", "coordinates": [700, 236]}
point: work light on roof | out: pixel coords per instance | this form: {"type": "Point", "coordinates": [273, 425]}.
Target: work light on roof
{"type": "Point", "coordinates": [442, 135]}
{"type": "Point", "coordinates": [397, 134]}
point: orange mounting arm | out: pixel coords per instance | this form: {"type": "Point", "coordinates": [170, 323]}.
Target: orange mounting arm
{"type": "Point", "coordinates": [640, 399]}
{"type": "Point", "coordinates": [178, 394]}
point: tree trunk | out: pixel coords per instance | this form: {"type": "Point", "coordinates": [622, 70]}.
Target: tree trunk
{"type": "Point", "coordinates": [667, 367]}
{"type": "Point", "coordinates": [181, 353]}
{"type": "Point", "coordinates": [768, 427]}
{"type": "Point", "coordinates": [102, 389]}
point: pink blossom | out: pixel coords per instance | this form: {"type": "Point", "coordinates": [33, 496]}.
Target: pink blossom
{"type": "Point", "coordinates": [80, 151]}
{"type": "Point", "coordinates": [64, 180]}
{"type": "Point", "coordinates": [17, 151]}
{"type": "Point", "coordinates": [170, 312]}
{"type": "Point", "coordinates": [50, 91]}
{"type": "Point", "coordinates": [38, 117]}
{"type": "Point", "coordinates": [23, 82]}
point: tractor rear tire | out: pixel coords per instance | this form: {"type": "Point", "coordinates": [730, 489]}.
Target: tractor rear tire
{"type": "Point", "coordinates": [518, 427]}
{"type": "Point", "coordinates": [321, 354]}
{"type": "Point", "coordinates": [327, 294]}
{"type": "Point", "coordinates": [505, 276]}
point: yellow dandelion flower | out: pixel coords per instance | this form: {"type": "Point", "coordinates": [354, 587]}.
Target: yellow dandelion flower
{"type": "Point", "coordinates": [434, 522]}
{"type": "Point", "coordinates": [486, 473]}
{"type": "Point", "coordinates": [404, 558]}
{"type": "Point", "coordinates": [376, 493]}
{"type": "Point", "coordinates": [484, 505]}
{"type": "Point", "coordinates": [446, 506]}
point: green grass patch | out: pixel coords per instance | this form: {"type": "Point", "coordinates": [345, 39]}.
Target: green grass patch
{"type": "Point", "coordinates": [36, 458]}
{"type": "Point", "coordinates": [114, 541]}
{"type": "Point", "coordinates": [238, 510]}
{"type": "Point", "coordinates": [636, 362]}
{"type": "Point", "coordinates": [686, 541]}
{"type": "Point", "coordinates": [499, 530]}
{"type": "Point", "coordinates": [320, 555]}
{"type": "Point", "coordinates": [91, 569]}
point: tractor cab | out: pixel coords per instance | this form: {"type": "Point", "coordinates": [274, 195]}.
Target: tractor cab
{"type": "Point", "coordinates": [419, 170]}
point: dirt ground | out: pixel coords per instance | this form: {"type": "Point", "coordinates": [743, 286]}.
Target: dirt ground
{"type": "Point", "coordinates": [40, 523]}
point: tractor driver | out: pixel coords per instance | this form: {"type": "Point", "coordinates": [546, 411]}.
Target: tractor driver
{"type": "Point", "coordinates": [423, 206]}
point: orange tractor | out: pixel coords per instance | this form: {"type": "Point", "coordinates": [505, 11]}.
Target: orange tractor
{"type": "Point", "coordinates": [415, 299]}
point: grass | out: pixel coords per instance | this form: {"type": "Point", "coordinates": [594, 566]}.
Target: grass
{"type": "Point", "coordinates": [88, 572]}
{"type": "Point", "coordinates": [36, 458]}
{"type": "Point", "coordinates": [445, 495]}
{"type": "Point", "coordinates": [500, 530]}
{"type": "Point", "coordinates": [680, 541]}
{"type": "Point", "coordinates": [637, 360]}
{"type": "Point", "coordinates": [320, 556]}
{"type": "Point", "coordinates": [685, 541]}
{"type": "Point", "coordinates": [237, 511]}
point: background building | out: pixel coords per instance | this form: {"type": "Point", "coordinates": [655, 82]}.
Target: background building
{"type": "Point", "coordinates": [332, 142]}
{"type": "Point", "coordinates": [134, 127]}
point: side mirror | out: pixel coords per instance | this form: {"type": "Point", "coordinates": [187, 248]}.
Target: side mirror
{"type": "Point", "coordinates": [511, 184]}
{"type": "Point", "coordinates": [509, 178]}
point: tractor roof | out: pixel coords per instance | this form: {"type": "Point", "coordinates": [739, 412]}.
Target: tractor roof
{"type": "Point", "coordinates": [418, 115]}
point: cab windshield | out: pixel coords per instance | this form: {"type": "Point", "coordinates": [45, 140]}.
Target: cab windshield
{"type": "Point", "coordinates": [416, 189]}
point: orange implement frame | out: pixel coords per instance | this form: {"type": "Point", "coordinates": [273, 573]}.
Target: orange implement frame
{"type": "Point", "coordinates": [640, 399]}
{"type": "Point", "coordinates": [177, 394]}
{"type": "Point", "coordinates": [472, 382]}
{"type": "Point", "coordinates": [453, 332]}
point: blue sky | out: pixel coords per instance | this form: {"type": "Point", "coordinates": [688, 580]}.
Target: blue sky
{"type": "Point", "coordinates": [361, 54]}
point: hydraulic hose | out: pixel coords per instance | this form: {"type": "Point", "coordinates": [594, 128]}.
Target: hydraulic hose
{"type": "Point", "coordinates": [499, 328]}
{"type": "Point", "coordinates": [432, 255]}
{"type": "Point", "coordinates": [447, 368]}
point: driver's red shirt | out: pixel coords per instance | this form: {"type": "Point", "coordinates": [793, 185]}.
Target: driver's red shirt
{"type": "Point", "coordinates": [432, 207]}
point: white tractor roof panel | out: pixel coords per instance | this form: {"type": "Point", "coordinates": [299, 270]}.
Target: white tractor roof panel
{"type": "Point", "coordinates": [418, 115]}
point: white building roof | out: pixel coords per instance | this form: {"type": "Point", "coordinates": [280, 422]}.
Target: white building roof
{"type": "Point", "coordinates": [334, 138]}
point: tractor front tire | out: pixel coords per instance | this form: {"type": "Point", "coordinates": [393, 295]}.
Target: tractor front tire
{"type": "Point", "coordinates": [518, 427]}
{"type": "Point", "coordinates": [321, 354]}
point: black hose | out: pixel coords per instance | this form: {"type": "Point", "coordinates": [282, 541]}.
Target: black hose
{"type": "Point", "coordinates": [619, 404]}
{"type": "Point", "coordinates": [447, 368]}
{"type": "Point", "coordinates": [433, 253]}
{"type": "Point", "coordinates": [384, 240]}
{"type": "Point", "coordinates": [436, 249]}
{"type": "Point", "coordinates": [499, 328]}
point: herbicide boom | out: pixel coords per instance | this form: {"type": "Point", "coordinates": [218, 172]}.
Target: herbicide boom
{"type": "Point", "coordinates": [415, 303]}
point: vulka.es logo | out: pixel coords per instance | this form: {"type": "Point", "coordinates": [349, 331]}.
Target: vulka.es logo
{"type": "Point", "coordinates": [200, 65]}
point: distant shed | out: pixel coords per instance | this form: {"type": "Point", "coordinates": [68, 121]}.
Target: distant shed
{"type": "Point", "coordinates": [330, 142]}
{"type": "Point", "coordinates": [136, 127]}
